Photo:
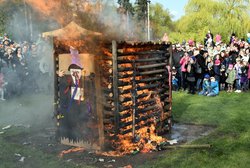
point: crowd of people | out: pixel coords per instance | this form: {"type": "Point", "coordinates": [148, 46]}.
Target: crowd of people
{"type": "Point", "coordinates": [205, 69]}
{"type": "Point", "coordinates": [213, 66]}
{"type": "Point", "coordinates": [24, 67]}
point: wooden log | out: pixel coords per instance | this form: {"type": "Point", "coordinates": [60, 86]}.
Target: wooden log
{"type": "Point", "coordinates": [124, 108]}
{"type": "Point", "coordinates": [146, 109]}
{"type": "Point", "coordinates": [145, 80]}
{"type": "Point", "coordinates": [124, 91]}
{"type": "Point", "coordinates": [108, 121]}
{"type": "Point", "coordinates": [149, 86]}
{"type": "Point", "coordinates": [123, 116]}
{"type": "Point", "coordinates": [158, 71]}
{"type": "Point", "coordinates": [136, 127]}
{"type": "Point", "coordinates": [119, 54]}
{"type": "Point", "coordinates": [187, 146]}
{"type": "Point", "coordinates": [115, 85]}
{"type": "Point", "coordinates": [151, 66]}
{"type": "Point", "coordinates": [124, 69]}
{"type": "Point", "coordinates": [108, 107]}
{"type": "Point", "coordinates": [108, 113]}
{"type": "Point", "coordinates": [121, 83]}
{"type": "Point", "coordinates": [124, 61]}
{"type": "Point", "coordinates": [149, 102]}
{"type": "Point", "coordinates": [127, 99]}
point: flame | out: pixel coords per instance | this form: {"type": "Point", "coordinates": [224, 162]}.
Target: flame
{"type": "Point", "coordinates": [55, 8]}
{"type": "Point", "coordinates": [145, 138]}
{"type": "Point", "coordinates": [78, 149]}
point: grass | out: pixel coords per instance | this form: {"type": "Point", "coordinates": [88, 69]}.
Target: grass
{"type": "Point", "coordinates": [230, 141]}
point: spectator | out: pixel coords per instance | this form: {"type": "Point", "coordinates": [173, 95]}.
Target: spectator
{"type": "Point", "coordinates": [205, 85]}
{"type": "Point", "coordinates": [177, 55]}
{"type": "Point", "coordinates": [175, 83]}
{"type": "Point", "coordinates": [243, 76]}
{"type": "Point", "coordinates": [183, 63]}
{"type": "Point", "coordinates": [223, 77]}
{"type": "Point", "coordinates": [231, 75]}
{"type": "Point", "coordinates": [201, 68]}
{"type": "Point", "coordinates": [237, 68]}
{"type": "Point", "coordinates": [191, 75]}
{"type": "Point", "coordinates": [217, 65]}
{"type": "Point", "coordinates": [214, 87]}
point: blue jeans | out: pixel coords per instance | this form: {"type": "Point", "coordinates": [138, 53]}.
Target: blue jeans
{"type": "Point", "coordinates": [203, 92]}
{"type": "Point", "coordinates": [198, 84]}
{"type": "Point", "coordinates": [237, 83]}
{"type": "Point", "coordinates": [211, 94]}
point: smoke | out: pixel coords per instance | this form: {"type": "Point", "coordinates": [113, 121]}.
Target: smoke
{"type": "Point", "coordinates": [29, 92]}
{"type": "Point", "coordinates": [33, 104]}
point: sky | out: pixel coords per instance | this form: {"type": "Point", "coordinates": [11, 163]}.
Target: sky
{"type": "Point", "coordinates": [176, 7]}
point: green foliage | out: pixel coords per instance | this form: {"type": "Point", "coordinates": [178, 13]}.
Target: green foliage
{"type": "Point", "coordinates": [220, 16]}
{"type": "Point", "coordinates": [160, 21]}
{"type": "Point", "coordinates": [141, 10]}
{"type": "Point", "coordinates": [127, 6]}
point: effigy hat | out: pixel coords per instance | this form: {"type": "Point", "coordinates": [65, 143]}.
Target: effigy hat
{"type": "Point", "coordinates": [74, 66]}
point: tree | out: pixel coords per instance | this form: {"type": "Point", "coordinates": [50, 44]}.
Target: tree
{"type": "Point", "coordinates": [141, 17]}
{"type": "Point", "coordinates": [160, 20]}
{"type": "Point", "coordinates": [220, 16]}
{"type": "Point", "coordinates": [127, 6]}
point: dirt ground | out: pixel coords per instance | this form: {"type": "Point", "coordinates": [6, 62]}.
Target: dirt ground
{"type": "Point", "coordinates": [44, 140]}
{"type": "Point", "coordinates": [40, 134]}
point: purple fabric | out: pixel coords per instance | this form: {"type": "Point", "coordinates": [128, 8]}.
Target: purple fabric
{"type": "Point", "coordinates": [89, 107]}
{"type": "Point", "coordinates": [75, 58]}
{"type": "Point", "coordinates": [243, 79]}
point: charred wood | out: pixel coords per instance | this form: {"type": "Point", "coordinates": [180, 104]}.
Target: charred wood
{"type": "Point", "coordinates": [159, 71]}
{"type": "Point", "coordinates": [141, 53]}
{"type": "Point", "coordinates": [124, 61]}
{"type": "Point", "coordinates": [151, 79]}
{"type": "Point", "coordinates": [150, 86]}
{"type": "Point", "coordinates": [151, 66]}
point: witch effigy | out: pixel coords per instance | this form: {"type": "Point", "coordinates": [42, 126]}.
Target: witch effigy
{"type": "Point", "coordinates": [74, 111]}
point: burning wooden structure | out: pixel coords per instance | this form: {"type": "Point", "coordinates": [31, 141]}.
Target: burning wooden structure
{"type": "Point", "coordinates": [137, 93]}
{"type": "Point", "coordinates": [127, 93]}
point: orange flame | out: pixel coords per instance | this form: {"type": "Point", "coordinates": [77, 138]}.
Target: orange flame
{"type": "Point", "coordinates": [70, 151]}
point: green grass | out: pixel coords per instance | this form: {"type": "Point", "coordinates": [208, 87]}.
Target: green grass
{"type": "Point", "coordinates": [230, 113]}
{"type": "Point", "coordinates": [230, 140]}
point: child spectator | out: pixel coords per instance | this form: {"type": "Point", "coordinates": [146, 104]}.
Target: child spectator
{"type": "Point", "coordinates": [214, 87]}
{"type": "Point", "coordinates": [243, 77]}
{"type": "Point", "coordinates": [237, 68]}
{"type": "Point", "coordinates": [205, 86]}
{"type": "Point", "coordinates": [210, 65]}
{"type": "Point", "coordinates": [231, 74]}
{"type": "Point", "coordinates": [175, 83]}
{"type": "Point", "coordinates": [217, 64]}
{"type": "Point", "coordinates": [223, 77]}
{"type": "Point", "coordinates": [2, 84]}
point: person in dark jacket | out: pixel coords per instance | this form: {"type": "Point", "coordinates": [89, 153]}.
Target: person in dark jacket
{"type": "Point", "coordinates": [177, 55]}
{"type": "Point", "coordinates": [201, 68]}
{"type": "Point", "coordinates": [191, 75]}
